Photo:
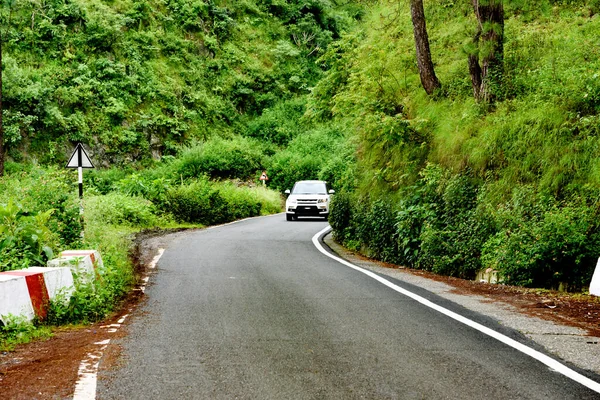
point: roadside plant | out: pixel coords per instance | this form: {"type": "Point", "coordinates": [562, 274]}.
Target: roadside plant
{"type": "Point", "coordinates": [17, 330]}
{"type": "Point", "coordinates": [25, 239]}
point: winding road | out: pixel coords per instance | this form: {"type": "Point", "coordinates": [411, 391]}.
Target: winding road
{"type": "Point", "coordinates": [253, 310]}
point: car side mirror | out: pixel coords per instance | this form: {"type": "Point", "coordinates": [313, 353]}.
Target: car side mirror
{"type": "Point", "coordinates": [331, 191]}
{"type": "Point", "coordinates": [287, 191]}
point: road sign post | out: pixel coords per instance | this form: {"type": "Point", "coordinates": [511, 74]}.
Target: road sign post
{"type": "Point", "coordinates": [80, 160]}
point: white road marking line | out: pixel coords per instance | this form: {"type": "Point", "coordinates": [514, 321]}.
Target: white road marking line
{"type": "Point", "coordinates": [85, 388]}
{"type": "Point", "coordinates": [156, 258]}
{"type": "Point", "coordinates": [544, 359]}
{"type": "Point", "coordinates": [86, 384]}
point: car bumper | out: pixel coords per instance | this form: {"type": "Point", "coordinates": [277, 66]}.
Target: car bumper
{"type": "Point", "coordinates": [308, 210]}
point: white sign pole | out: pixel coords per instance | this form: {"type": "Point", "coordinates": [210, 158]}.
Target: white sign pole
{"type": "Point", "coordinates": [80, 174]}
{"type": "Point", "coordinates": [80, 160]}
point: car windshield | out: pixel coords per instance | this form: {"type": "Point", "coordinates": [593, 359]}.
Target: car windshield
{"type": "Point", "coordinates": [309, 188]}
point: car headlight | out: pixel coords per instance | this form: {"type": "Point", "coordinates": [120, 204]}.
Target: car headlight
{"type": "Point", "coordinates": [322, 201]}
{"type": "Point", "coordinates": [292, 201]}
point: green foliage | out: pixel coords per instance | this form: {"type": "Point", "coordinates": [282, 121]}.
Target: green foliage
{"type": "Point", "coordinates": [306, 157]}
{"type": "Point", "coordinates": [104, 181]}
{"type": "Point", "coordinates": [280, 124]}
{"type": "Point", "coordinates": [94, 299]}
{"type": "Point", "coordinates": [18, 331]}
{"type": "Point", "coordinates": [121, 209]}
{"type": "Point", "coordinates": [442, 167]}
{"type": "Point", "coordinates": [544, 243]}
{"type": "Point", "coordinates": [25, 239]}
{"type": "Point", "coordinates": [39, 190]}
{"type": "Point", "coordinates": [206, 203]}
{"type": "Point", "coordinates": [341, 217]}
{"type": "Point", "coordinates": [220, 158]}
{"type": "Point", "coordinates": [136, 79]}
{"type": "Point", "coordinates": [377, 230]}
{"type": "Point", "coordinates": [91, 301]}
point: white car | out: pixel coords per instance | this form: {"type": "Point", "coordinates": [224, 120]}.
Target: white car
{"type": "Point", "coordinates": [308, 198]}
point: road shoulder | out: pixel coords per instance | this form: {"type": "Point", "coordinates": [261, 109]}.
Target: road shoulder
{"type": "Point", "coordinates": [565, 325]}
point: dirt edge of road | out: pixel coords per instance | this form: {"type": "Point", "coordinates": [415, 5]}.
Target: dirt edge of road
{"type": "Point", "coordinates": [48, 369]}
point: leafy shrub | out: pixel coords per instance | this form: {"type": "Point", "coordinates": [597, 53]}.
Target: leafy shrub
{"type": "Point", "coordinates": [120, 209]}
{"type": "Point", "coordinates": [304, 158]}
{"type": "Point", "coordinates": [244, 202]}
{"type": "Point", "coordinates": [25, 239]}
{"type": "Point", "coordinates": [454, 231]}
{"type": "Point", "coordinates": [18, 330]}
{"type": "Point", "coordinates": [197, 202]}
{"type": "Point", "coordinates": [105, 180]}
{"type": "Point", "coordinates": [93, 301]}
{"type": "Point", "coordinates": [435, 226]}
{"type": "Point", "coordinates": [340, 216]}
{"type": "Point", "coordinates": [145, 185]}
{"type": "Point", "coordinates": [212, 203]}
{"type": "Point", "coordinates": [543, 242]}
{"type": "Point", "coordinates": [280, 124]}
{"type": "Point", "coordinates": [454, 249]}
{"type": "Point", "coordinates": [42, 189]}
{"type": "Point", "coordinates": [410, 220]}
{"type": "Point", "coordinates": [221, 158]}
{"type": "Point", "coordinates": [377, 231]}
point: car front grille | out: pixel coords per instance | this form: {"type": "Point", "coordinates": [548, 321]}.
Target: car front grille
{"type": "Point", "coordinates": [307, 202]}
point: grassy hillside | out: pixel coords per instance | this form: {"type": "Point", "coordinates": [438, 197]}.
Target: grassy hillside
{"type": "Point", "coordinates": [452, 185]}
{"type": "Point", "coordinates": [135, 79]}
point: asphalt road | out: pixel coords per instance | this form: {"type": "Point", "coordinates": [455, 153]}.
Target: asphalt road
{"type": "Point", "coordinates": [252, 310]}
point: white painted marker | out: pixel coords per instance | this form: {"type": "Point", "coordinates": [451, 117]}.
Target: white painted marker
{"type": "Point", "coordinates": [544, 359]}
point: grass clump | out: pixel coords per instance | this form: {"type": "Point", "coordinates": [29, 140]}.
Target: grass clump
{"type": "Point", "coordinates": [18, 331]}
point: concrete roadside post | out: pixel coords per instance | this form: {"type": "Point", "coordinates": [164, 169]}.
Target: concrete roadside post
{"type": "Point", "coordinates": [595, 284]}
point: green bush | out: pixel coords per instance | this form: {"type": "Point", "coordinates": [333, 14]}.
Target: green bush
{"type": "Point", "coordinates": [94, 300]}
{"type": "Point", "coordinates": [25, 238]}
{"type": "Point", "coordinates": [305, 157]}
{"type": "Point", "coordinates": [454, 229]}
{"type": "Point", "coordinates": [454, 249]}
{"type": "Point", "coordinates": [18, 330]}
{"type": "Point", "coordinates": [119, 209]}
{"type": "Point", "coordinates": [210, 203]}
{"type": "Point", "coordinates": [340, 216]}
{"type": "Point", "coordinates": [220, 158]}
{"type": "Point", "coordinates": [105, 180]}
{"type": "Point", "coordinates": [197, 202]}
{"type": "Point", "coordinates": [240, 205]}
{"type": "Point", "coordinates": [410, 220]}
{"type": "Point", "coordinates": [39, 190]}
{"type": "Point", "coordinates": [435, 225]}
{"type": "Point", "coordinates": [280, 124]}
{"type": "Point", "coordinates": [376, 230]}
{"type": "Point", "coordinates": [544, 243]}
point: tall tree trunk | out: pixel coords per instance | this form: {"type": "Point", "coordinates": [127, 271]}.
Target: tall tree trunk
{"type": "Point", "coordinates": [1, 112]}
{"type": "Point", "coordinates": [485, 65]}
{"type": "Point", "coordinates": [429, 80]}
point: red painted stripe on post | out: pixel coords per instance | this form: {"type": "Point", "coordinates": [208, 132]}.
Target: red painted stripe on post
{"type": "Point", "coordinates": [38, 293]}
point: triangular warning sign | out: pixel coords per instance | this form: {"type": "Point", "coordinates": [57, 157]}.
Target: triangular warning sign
{"type": "Point", "coordinates": [79, 158]}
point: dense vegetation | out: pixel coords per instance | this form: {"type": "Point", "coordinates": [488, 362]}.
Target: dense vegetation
{"type": "Point", "coordinates": [134, 79]}
{"type": "Point", "coordinates": [183, 103]}
{"type": "Point", "coordinates": [451, 184]}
